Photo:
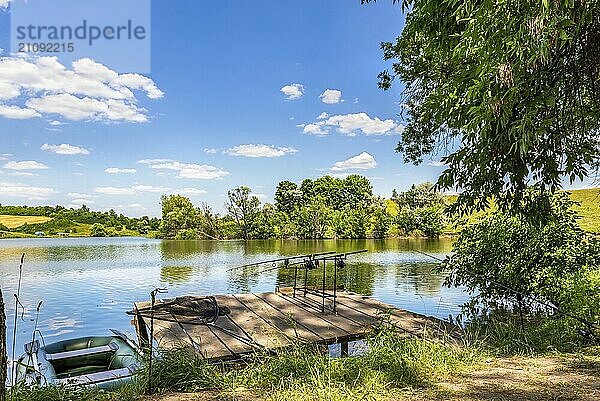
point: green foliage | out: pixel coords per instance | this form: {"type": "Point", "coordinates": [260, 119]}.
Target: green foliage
{"type": "Point", "coordinates": [351, 223]}
{"type": "Point", "coordinates": [287, 196]}
{"type": "Point", "coordinates": [98, 230]}
{"type": "Point", "coordinates": [420, 210]}
{"type": "Point", "coordinates": [67, 220]}
{"type": "Point", "coordinates": [313, 218]}
{"type": "Point", "coordinates": [50, 227]}
{"type": "Point", "coordinates": [511, 86]}
{"type": "Point", "coordinates": [381, 220]}
{"type": "Point", "coordinates": [304, 372]}
{"type": "Point", "coordinates": [244, 209]}
{"type": "Point", "coordinates": [178, 214]}
{"type": "Point", "coordinates": [553, 259]}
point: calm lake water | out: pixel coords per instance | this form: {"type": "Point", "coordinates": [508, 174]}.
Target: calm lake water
{"type": "Point", "coordinates": [87, 284]}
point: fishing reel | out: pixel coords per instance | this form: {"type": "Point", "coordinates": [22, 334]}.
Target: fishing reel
{"type": "Point", "coordinates": [340, 263]}
{"type": "Point", "coordinates": [311, 264]}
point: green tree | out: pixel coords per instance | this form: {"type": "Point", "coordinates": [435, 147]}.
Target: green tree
{"type": "Point", "coordinates": [178, 214]}
{"type": "Point", "coordinates": [98, 230]}
{"type": "Point", "coordinates": [210, 226]}
{"type": "Point", "coordinates": [421, 210]}
{"type": "Point", "coordinates": [351, 222]}
{"type": "Point", "coordinates": [546, 260]}
{"type": "Point", "coordinates": [510, 87]}
{"type": "Point", "coordinates": [421, 195]}
{"type": "Point", "coordinates": [314, 219]}
{"type": "Point", "coordinates": [381, 220]}
{"type": "Point", "coordinates": [287, 196]}
{"type": "Point", "coordinates": [243, 207]}
{"type": "Point", "coordinates": [266, 220]}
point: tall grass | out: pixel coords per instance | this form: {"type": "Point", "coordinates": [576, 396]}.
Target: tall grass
{"type": "Point", "coordinates": [390, 364]}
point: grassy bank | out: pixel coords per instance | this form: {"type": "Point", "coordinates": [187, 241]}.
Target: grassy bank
{"type": "Point", "coordinates": [393, 368]}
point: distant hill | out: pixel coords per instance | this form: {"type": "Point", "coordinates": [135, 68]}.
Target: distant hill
{"type": "Point", "coordinates": [589, 208]}
{"type": "Point", "coordinates": [17, 221]}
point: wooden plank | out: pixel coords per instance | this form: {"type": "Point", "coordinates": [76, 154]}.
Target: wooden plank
{"type": "Point", "coordinates": [277, 319]}
{"type": "Point", "coordinates": [170, 334]}
{"type": "Point", "coordinates": [318, 327]}
{"type": "Point", "coordinates": [273, 320]}
{"type": "Point", "coordinates": [348, 326]}
{"type": "Point", "coordinates": [251, 323]}
{"type": "Point", "coordinates": [426, 325]}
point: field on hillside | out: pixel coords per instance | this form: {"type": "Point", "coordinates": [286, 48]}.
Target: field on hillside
{"type": "Point", "coordinates": [589, 208]}
{"type": "Point", "coordinates": [17, 221]}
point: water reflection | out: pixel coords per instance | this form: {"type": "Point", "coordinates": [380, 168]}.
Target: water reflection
{"type": "Point", "coordinates": [88, 283]}
{"type": "Point", "coordinates": [176, 274]}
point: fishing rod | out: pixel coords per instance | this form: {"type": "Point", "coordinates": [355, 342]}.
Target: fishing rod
{"type": "Point", "coordinates": [14, 342]}
{"type": "Point", "coordinates": [283, 259]}
{"type": "Point", "coordinates": [589, 324]}
{"type": "Point", "coordinates": [337, 256]}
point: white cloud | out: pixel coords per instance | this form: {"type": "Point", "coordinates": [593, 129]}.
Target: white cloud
{"type": "Point", "coordinates": [115, 191]}
{"type": "Point", "coordinates": [65, 149]}
{"type": "Point", "coordinates": [23, 174]}
{"type": "Point", "coordinates": [322, 116]}
{"type": "Point", "coordinates": [55, 123]}
{"type": "Point", "coordinates": [190, 191]}
{"type": "Point", "coordinates": [186, 170]}
{"type": "Point", "coordinates": [16, 112]}
{"type": "Point", "coordinates": [363, 161]}
{"type": "Point", "coordinates": [117, 170]}
{"type": "Point", "coordinates": [25, 191]}
{"type": "Point", "coordinates": [136, 189]}
{"type": "Point", "coordinates": [436, 163]}
{"type": "Point", "coordinates": [316, 129]}
{"type": "Point", "coordinates": [4, 3]}
{"type": "Point", "coordinates": [331, 96]}
{"type": "Point", "coordinates": [25, 165]}
{"type": "Point", "coordinates": [293, 91]}
{"type": "Point", "coordinates": [88, 91]}
{"type": "Point", "coordinates": [351, 124]}
{"type": "Point", "coordinates": [81, 201]}
{"type": "Point", "coordinates": [80, 195]}
{"type": "Point", "coordinates": [210, 150]}
{"type": "Point", "coordinates": [149, 188]}
{"type": "Point", "coordinates": [259, 150]}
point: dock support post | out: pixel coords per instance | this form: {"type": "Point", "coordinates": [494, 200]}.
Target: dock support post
{"type": "Point", "coordinates": [335, 263]}
{"type": "Point", "coordinates": [295, 280]}
{"type": "Point", "coordinates": [324, 278]}
{"type": "Point", "coordinates": [344, 348]}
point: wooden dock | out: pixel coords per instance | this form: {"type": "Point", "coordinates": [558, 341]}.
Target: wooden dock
{"type": "Point", "coordinates": [267, 321]}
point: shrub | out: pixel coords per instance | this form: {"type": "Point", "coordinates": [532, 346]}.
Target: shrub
{"type": "Point", "coordinates": [551, 259]}
{"type": "Point", "coordinates": [98, 230]}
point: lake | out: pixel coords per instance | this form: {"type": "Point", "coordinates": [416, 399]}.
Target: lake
{"type": "Point", "coordinates": [87, 284]}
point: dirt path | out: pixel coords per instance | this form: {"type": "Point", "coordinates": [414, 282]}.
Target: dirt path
{"type": "Point", "coordinates": [510, 379]}
{"type": "Point", "coordinates": [524, 379]}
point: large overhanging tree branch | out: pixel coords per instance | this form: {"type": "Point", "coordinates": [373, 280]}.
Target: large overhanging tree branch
{"type": "Point", "coordinates": [509, 90]}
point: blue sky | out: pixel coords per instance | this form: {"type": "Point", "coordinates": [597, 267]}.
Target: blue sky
{"type": "Point", "coordinates": [239, 93]}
